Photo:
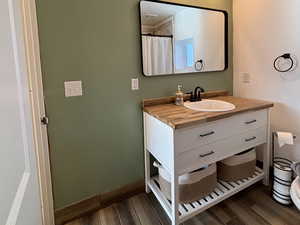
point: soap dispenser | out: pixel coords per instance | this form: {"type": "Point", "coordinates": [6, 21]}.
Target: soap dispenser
{"type": "Point", "coordinates": [179, 96]}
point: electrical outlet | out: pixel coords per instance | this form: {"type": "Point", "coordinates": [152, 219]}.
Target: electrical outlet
{"type": "Point", "coordinates": [246, 78]}
{"type": "Point", "coordinates": [73, 88]}
{"type": "Point", "coordinates": [134, 84]}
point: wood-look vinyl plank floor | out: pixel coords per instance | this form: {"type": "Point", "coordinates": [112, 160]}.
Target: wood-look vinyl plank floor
{"type": "Point", "coordinates": [253, 206]}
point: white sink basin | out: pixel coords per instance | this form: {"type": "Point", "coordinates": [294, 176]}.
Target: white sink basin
{"type": "Point", "coordinates": [207, 105]}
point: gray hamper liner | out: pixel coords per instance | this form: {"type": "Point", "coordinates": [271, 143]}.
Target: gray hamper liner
{"type": "Point", "coordinates": [192, 186]}
{"type": "Point", "coordinates": [237, 167]}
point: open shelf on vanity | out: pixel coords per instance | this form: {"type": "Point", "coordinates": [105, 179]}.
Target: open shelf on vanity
{"type": "Point", "coordinates": [223, 191]}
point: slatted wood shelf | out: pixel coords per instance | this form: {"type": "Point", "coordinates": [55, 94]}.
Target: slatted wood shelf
{"type": "Point", "coordinates": [223, 191]}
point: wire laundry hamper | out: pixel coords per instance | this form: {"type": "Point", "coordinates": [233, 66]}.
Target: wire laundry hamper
{"type": "Point", "coordinates": [282, 177]}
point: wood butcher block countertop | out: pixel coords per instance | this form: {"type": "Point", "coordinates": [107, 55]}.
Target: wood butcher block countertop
{"type": "Point", "coordinates": [179, 116]}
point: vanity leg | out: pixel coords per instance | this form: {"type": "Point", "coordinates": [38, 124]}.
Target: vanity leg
{"type": "Point", "coordinates": [266, 168]}
{"type": "Point", "coordinates": [147, 159]}
{"type": "Point", "coordinates": [147, 171]}
{"type": "Point", "coordinates": [175, 198]}
{"type": "Point", "coordinates": [267, 153]}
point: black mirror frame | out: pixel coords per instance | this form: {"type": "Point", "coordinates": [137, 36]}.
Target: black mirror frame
{"type": "Point", "coordinates": [197, 7]}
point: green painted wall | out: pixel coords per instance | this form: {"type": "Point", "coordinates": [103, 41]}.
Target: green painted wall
{"type": "Point", "coordinates": [96, 141]}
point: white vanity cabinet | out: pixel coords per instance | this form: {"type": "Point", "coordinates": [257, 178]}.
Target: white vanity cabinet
{"type": "Point", "coordinates": [186, 149]}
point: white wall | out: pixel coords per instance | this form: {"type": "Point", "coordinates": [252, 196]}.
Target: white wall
{"type": "Point", "coordinates": [264, 30]}
{"type": "Point", "coordinates": [208, 38]}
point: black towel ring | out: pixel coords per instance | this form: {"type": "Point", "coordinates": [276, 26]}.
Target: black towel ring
{"type": "Point", "coordinates": [286, 56]}
{"type": "Point", "coordinates": [199, 64]}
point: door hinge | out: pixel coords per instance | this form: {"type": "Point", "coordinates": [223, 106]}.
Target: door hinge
{"type": "Point", "coordinates": [45, 120]}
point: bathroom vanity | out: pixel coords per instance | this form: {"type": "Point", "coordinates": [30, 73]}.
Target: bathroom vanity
{"type": "Point", "coordinates": [183, 140]}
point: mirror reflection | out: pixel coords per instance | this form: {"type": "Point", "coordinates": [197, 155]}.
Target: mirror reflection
{"type": "Point", "coordinates": [181, 39]}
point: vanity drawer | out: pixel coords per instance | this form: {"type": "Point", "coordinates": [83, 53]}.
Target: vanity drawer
{"type": "Point", "coordinates": [196, 158]}
{"type": "Point", "coordinates": [207, 154]}
{"type": "Point", "coordinates": [252, 120]}
{"type": "Point", "coordinates": [251, 139]}
{"type": "Point", "coordinates": [188, 138]}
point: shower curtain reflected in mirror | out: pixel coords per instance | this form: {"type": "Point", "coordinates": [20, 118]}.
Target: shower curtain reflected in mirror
{"type": "Point", "coordinates": [157, 55]}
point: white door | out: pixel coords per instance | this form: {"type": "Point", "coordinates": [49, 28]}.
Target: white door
{"type": "Point", "coordinates": [19, 188]}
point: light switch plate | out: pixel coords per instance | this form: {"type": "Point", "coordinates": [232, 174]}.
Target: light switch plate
{"type": "Point", "coordinates": [135, 84]}
{"type": "Point", "coordinates": [73, 88]}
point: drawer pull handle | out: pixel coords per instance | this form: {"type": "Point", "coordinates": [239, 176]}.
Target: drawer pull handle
{"type": "Point", "coordinates": [250, 139]}
{"type": "Point", "coordinates": [207, 154]}
{"type": "Point", "coordinates": [249, 122]}
{"type": "Point", "coordinates": [208, 134]}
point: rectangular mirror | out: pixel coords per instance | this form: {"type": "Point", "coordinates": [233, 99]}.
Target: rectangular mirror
{"type": "Point", "coordinates": [179, 39]}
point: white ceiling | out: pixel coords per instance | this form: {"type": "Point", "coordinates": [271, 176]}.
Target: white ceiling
{"type": "Point", "coordinates": [153, 13]}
